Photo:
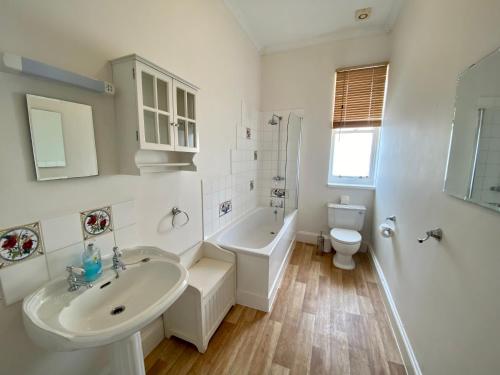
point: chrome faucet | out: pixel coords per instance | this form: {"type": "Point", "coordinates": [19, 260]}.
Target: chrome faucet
{"type": "Point", "coordinates": [117, 262]}
{"type": "Point", "coordinates": [277, 203]}
{"type": "Point", "coordinates": [76, 278]}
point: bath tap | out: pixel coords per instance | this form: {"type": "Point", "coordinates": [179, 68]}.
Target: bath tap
{"type": "Point", "coordinates": [76, 278]}
{"type": "Point", "coordinates": [273, 203]}
{"type": "Point", "coordinates": [117, 262]}
{"type": "Point", "coordinates": [278, 193]}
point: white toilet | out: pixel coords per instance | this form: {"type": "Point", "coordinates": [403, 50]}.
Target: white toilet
{"type": "Point", "coordinates": [345, 221]}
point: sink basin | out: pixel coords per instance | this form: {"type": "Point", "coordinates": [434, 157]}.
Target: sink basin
{"type": "Point", "coordinates": [112, 311]}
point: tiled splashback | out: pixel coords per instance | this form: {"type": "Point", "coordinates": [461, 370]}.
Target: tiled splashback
{"type": "Point", "coordinates": [228, 197]}
{"type": "Point", "coordinates": [271, 190]}
{"type": "Point", "coordinates": [20, 243]}
{"type": "Point", "coordinates": [254, 163]}
{"type": "Point", "coordinates": [487, 178]}
{"type": "Point", "coordinates": [63, 239]}
{"type": "Point", "coordinates": [96, 222]}
{"type": "Point", "coordinates": [247, 130]}
{"type": "Point", "coordinates": [232, 190]}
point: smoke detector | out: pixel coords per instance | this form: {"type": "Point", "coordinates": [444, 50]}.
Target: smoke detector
{"type": "Point", "coordinates": [363, 14]}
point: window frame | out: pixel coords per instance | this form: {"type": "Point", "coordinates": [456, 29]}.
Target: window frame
{"type": "Point", "coordinates": [361, 182]}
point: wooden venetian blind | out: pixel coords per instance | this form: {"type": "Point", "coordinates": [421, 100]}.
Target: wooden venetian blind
{"type": "Point", "coordinates": [359, 96]}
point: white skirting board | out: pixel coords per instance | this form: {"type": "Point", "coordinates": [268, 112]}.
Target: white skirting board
{"type": "Point", "coordinates": [307, 237]}
{"type": "Point", "coordinates": [312, 238]}
{"type": "Point", "coordinates": [404, 344]}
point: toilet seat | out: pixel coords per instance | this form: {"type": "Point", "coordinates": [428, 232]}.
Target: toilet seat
{"type": "Point", "coordinates": [345, 236]}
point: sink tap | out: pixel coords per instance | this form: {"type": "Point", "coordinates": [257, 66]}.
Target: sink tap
{"type": "Point", "coordinates": [117, 262]}
{"type": "Point", "coordinates": [76, 278]}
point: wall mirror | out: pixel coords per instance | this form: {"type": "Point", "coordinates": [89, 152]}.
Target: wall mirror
{"type": "Point", "coordinates": [473, 171]}
{"type": "Point", "coordinates": [62, 136]}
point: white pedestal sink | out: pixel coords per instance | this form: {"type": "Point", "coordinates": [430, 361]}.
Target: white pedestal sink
{"type": "Point", "coordinates": [111, 312]}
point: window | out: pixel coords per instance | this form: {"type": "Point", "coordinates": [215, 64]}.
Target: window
{"type": "Point", "coordinates": [357, 117]}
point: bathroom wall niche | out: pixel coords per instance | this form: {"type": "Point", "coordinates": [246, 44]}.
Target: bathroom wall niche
{"type": "Point", "coordinates": [62, 136]}
{"type": "Point", "coordinates": [473, 171]}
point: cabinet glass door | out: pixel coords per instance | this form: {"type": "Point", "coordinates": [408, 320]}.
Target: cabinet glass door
{"type": "Point", "coordinates": [155, 98]}
{"type": "Point", "coordinates": [186, 134]}
{"type": "Point", "coordinates": [150, 127]}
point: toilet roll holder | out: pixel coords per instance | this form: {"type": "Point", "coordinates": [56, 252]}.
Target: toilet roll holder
{"type": "Point", "coordinates": [387, 230]}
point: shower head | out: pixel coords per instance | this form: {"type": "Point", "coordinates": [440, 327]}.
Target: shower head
{"type": "Point", "coordinates": [275, 119]}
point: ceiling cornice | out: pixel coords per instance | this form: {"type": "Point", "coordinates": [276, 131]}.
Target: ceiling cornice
{"type": "Point", "coordinates": [239, 18]}
{"type": "Point", "coordinates": [336, 36]}
{"type": "Point", "coordinates": [394, 14]}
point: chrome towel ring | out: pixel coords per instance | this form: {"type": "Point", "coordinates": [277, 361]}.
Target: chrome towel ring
{"type": "Point", "coordinates": [176, 211]}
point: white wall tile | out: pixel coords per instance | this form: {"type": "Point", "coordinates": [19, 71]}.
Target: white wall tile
{"type": "Point", "coordinates": [69, 256]}
{"type": "Point", "coordinates": [495, 131]}
{"type": "Point", "coordinates": [105, 242]}
{"type": "Point", "coordinates": [123, 214]}
{"type": "Point", "coordinates": [22, 279]}
{"type": "Point", "coordinates": [127, 237]}
{"type": "Point", "coordinates": [207, 187]}
{"type": "Point", "coordinates": [60, 232]}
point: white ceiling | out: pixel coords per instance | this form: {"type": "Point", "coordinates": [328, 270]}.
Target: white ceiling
{"type": "Point", "coordinates": [282, 24]}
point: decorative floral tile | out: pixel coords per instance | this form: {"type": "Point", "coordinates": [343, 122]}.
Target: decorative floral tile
{"type": "Point", "coordinates": [20, 243]}
{"type": "Point", "coordinates": [96, 222]}
{"type": "Point", "coordinates": [225, 208]}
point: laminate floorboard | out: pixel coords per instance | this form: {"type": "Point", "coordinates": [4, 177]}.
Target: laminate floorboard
{"type": "Point", "coordinates": [324, 321]}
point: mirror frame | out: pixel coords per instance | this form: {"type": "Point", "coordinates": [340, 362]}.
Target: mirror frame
{"type": "Point", "coordinates": [453, 123]}
{"type": "Point", "coordinates": [29, 107]}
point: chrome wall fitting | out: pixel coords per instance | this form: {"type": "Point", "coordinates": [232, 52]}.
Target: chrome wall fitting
{"type": "Point", "coordinates": [176, 211]}
{"type": "Point", "coordinates": [76, 279]}
{"type": "Point", "coordinates": [434, 233]}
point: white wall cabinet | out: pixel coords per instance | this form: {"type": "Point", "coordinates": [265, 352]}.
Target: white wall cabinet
{"type": "Point", "coordinates": [157, 125]}
{"type": "Point", "coordinates": [186, 132]}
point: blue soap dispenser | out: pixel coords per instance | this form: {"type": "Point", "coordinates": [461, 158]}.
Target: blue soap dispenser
{"type": "Point", "coordinates": [92, 264]}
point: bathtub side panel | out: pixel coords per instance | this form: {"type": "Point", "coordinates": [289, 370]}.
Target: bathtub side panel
{"type": "Point", "coordinates": [252, 280]}
{"type": "Point", "coordinates": [279, 256]}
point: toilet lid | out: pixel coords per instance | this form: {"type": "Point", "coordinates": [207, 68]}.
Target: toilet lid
{"type": "Point", "coordinates": [346, 236]}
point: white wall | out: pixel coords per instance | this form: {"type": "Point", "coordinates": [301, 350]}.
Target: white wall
{"type": "Point", "coordinates": [196, 39]}
{"type": "Point", "coordinates": [446, 293]}
{"type": "Point", "coordinates": [304, 78]}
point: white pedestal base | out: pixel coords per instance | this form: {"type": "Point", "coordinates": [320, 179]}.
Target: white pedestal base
{"type": "Point", "coordinates": [344, 262]}
{"type": "Point", "coordinates": [127, 357]}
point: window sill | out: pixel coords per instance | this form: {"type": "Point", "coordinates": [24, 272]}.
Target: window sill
{"type": "Point", "coordinates": [351, 186]}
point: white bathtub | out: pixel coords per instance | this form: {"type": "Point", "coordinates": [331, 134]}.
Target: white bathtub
{"type": "Point", "coordinates": [263, 245]}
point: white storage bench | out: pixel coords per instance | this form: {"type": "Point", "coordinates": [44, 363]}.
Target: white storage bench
{"type": "Point", "coordinates": [211, 292]}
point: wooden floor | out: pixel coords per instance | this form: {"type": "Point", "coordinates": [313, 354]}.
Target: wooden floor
{"type": "Point", "coordinates": [324, 321]}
